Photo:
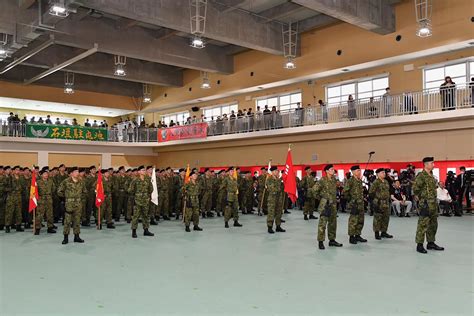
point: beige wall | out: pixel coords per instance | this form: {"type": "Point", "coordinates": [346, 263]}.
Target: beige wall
{"type": "Point", "coordinates": [80, 160]}
{"type": "Point", "coordinates": [133, 161]}
{"type": "Point", "coordinates": [24, 159]}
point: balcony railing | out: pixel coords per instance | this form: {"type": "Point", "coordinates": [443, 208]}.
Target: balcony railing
{"type": "Point", "coordinates": [411, 103]}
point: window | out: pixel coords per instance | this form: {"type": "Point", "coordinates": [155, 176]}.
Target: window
{"type": "Point", "coordinates": [180, 117]}
{"type": "Point", "coordinates": [52, 118]}
{"type": "Point", "coordinates": [283, 102]}
{"type": "Point", "coordinates": [211, 113]}
{"type": "Point", "coordinates": [359, 89]}
{"type": "Point", "coordinates": [460, 72]}
{"type": "Point", "coordinates": [4, 116]}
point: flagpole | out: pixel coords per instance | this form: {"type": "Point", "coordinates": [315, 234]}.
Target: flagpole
{"type": "Point", "coordinates": [98, 218]}
{"type": "Point", "coordinates": [98, 208]}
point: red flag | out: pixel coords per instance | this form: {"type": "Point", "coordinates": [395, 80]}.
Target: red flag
{"type": "Point", "coordinates": [289, 178]}
{"type": "Point", "coordinates": [99, 190]}
{"type": "Point", "coordinates": [33, 193]}
{"type": "Point", "coordinates": [187, 177]}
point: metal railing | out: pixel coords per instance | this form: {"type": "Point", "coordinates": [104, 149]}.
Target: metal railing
{"type": "Point", "coordinates": [410, 103]}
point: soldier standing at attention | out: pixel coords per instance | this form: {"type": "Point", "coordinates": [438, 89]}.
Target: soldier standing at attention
{"type": "Point", "coordinates": [13, 205]}
{"type": "Point", "coordinates": [46, 188]}
{"type": "Point", "coordinates": [140, 191]}
{"type": "Point", "coordinates": [73, 191]}
{"type": "Point", "coordinates": [425, 191]}
{"type": "Point", "coordinates": [274, 206]}
{"type": "Point", "coordinates": [308, 182]}
{"type": "Point", "coordinates": [207, 183]}
{"type": "Point", "coordinates": [354, 193]}
{"type": "Point", "coordinates": [248, 193]}
{"type": "Point", "coordinates": [261, 193]}
{"type": "Point", "coordinates": [59, 178]}
{"type": "Point", "coordinates": [232, 205]}
{"type": "Point", "coordinates": [380, 194]}
{"type": "Point", "coordinates": [106, 207]}
{"type": "Point", "coordinates": [3, 184]}
{"type": "Point", "coordinates": [325, 191]}
{"type": "Point", "coordinates": [132, 174]}
{"type": "Point", "coordinates": [179, 194]}
{"type": "Point", "coordinates": [89, 181]}
{"type": "Point", "coordinates": [221, 193]}
{"type": "Point", "coordinates": [192, 189]}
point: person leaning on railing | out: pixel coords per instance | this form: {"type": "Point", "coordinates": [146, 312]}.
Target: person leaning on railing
{"type": "Point", "coordinates": [448, 94]}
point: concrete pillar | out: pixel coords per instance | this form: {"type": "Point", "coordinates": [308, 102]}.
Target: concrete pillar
{"type": "Point", "coordinates": [106, 161]}
{"type": "Point", "coordinates": [43, 158]}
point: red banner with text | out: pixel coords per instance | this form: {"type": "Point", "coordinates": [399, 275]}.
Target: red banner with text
{"type": "Point", "coordinates": [198, 130]}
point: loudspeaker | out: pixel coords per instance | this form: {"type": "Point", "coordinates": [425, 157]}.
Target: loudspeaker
{"type": "Point", "coordinates": [195, 108]}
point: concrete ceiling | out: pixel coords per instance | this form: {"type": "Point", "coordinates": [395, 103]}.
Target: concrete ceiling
{"type": "Point", "coordinates": [155, 36]}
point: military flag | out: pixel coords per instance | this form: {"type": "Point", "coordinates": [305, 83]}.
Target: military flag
{"type": "Point", "coordinates": [289, 178]}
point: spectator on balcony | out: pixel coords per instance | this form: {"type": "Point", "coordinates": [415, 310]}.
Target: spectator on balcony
{"type": "Point", "coordinates": [324, 110]}
{"type": "Point", "coordinates": [203, 119]}
{"type": "Point", "coordinates": [107, 125]}
{"type": "Point", "coordinates": [130, 133]}
{"type": "Point", "coordinates": [398, 197]}
{"type": "Point", "coordinates": [351, 108]}
{"type": "Point", "coordinates": [251, 119]}
{"type": "Point", "coordinates": [444, 199]}
{"type": "Point", "coordinates": [299, 114]}
{"type": "Point", "coordinates": [219, 125]}
{"type": "Point", "coordinates": [232, 118]}
{"type": "Point", "coordinates": [40, 120]}
{"type": "Point", "coordinates": [58, 122]}
{"type": "Point", "coordinates": [66, 123]}
{"type": "Point", "coordinates": [94, 124]}
{"type": "Point", "coordinates": [387, 102]}
{"type": "Point", "coordinates": [471, 86]}
{"type": "Point", "coordinates": [24, 121]}
{"type": "Point", "coordinates": [87, 124]}
{"type": "Point", "coordinates": [74, 122]}
{"type": "Point", "coordinates": [172, 123]}
{"type": "Point", "coordinates": [194, 120]}
{"type": "Point", "coordinates": [258, 118]}
{"type": "Point", "coordinates": [278, 119]}
{"type": "Point", "coordinates": [410, 107]}
{"type": "Point", "coordinates": [448, 94]}
{"type": "Point", "coordinates": [188, 121]}
{"type": "Point", "coordinates": [32, 120]}
{"type": "Point", "coordinates": [372, 108]}
{"type": "Point", "coordinates": [266, 117]}
{"type": "Point", "coordinates": [48, 120]}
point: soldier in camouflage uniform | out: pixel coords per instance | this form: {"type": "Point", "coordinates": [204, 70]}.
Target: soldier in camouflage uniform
{"type": "Point", "coordinates": [140, 190]}
{"type": "Point", "coordinates": [325, 191]}
{"type": "Point", "coordinates": [106, 206]}
{"type": "Point", "coordinates": [247, 193]}
{"type": "Point", "coordinates": [192, 190]}
{"type": "Point", "coordinates": [25, 178]}
{"type": "Point", "coordinates": [170, 182]}
{"type": "Point", "coordinates": [121, 192]}
{"type": "Point", "coordinates": [206, 185]}
{"type": "Point", "coordinates": [179, 194]}
{"type": "Point", "coordinates": [153, 209]}
{"type": "Point", "coordinates": [308, 182]}
{"type": "Point", "coordinates": [354, 193]}
{"type": "Point", "coordinates": [274, 205]}
{"type": "Point", "coordinates": [3, 194]}
{"type": "Point", "coordinates": [73, 190]}
{"type": "Point", "coordinates": [261, 193]}
{"type": "Point", "coordinates": [163, 193]}
{"type": "Point", "coordinates": [380, 195]}
{"type": "Point", "coordinates": [58, 179]}
{"type": "Point", "coordinates": [132, 174]}
{"type": "Point", "coordinates": [46, 188]}
{"type": "Point", "coordinates": [221, 193]}
{"type": "Point", "coordinates": [14, 190]}
{"type": "Point", "coordinates": [232, 203]}
{"type": "Point", "coordinates": [90, 180]}
{"type": "Point", "coordinates": [425, 191]}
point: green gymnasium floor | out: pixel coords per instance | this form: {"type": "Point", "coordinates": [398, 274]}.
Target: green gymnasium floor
{"type": "Point", "coordinates": [238, 271]}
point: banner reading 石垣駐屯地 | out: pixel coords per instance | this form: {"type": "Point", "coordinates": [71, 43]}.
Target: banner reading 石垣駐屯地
{"type": "Point", "coordinates": [66, 132]}
{"type": "Point", "coordinates": [198, 130]}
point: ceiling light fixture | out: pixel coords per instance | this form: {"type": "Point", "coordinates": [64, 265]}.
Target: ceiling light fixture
{"type": "Point", "coordinates": [423, 9]}
{"type": "Point", "coordinates": [197, 42]}
{"type": "Point", "coordinates": [69, 83]}
{"type": "Point", "coordinates": [290, 40]}
{"type": "Point", "coordinates": [146, 93]}
{"type": "Point", "coordinates": [198, 11]}
{"type": "Point", "coordinates": [290, 63]}
{"type": "Point", "coordinates": [120, 62]}
{"type": "Point", "coordinates": [205, 83]}
{"type": "Point", "coordinates": [58, 8]}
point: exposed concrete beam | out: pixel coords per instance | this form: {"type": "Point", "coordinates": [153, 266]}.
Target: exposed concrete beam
{"type": "Point", "coordinates": [317, 21]}
{"type": "Point", "coordinates": [137, 43]}
{"type": "Point", "coordinates": [102, 65]}
{"type": "Point", "coordinates": [281, 11]}
{"type": "Point", "coordinates": [373, 15]}
{"type": "Point", "coordinates": [125, 23]}
{"type": "Point", "coordinates": [25, 4]}
{"type": "Point", "coordinates": [243, 29]}
{"type": "Point", "coordinates": [81, 82]}
{"type": "Point", "coordinates": [231, 5]}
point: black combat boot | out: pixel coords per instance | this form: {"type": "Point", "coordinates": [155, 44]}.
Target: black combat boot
{"type": "Point", "coordinates": [333, 243]}
{"type": "Point", "coordinates": [177, 216]}
{"type": "Point", "coordinates": [360, 239]}
{"type": "Point", "coordinates": [111, 225]}
{"type": "Point", "coordinates": [153, 222]}
{"type": "Point", "coordinates": [85, 224]}
{"type": "Point", "coordinates": [321, 245]}
{"type": "Point", "coordinates": [377, 236]}
{"type": "Point", "coordinates": [37, 231]}
{"type": "Point", "coordinates": [210, 214]}
{"type": "Point", "coordinates": [420, 248]}
{"type": "Point", "coordinates": [385, 235]}
{"type": "Point", "coordinates": [312, 217]}
{"type": "Point", "coordinates": [134, 233]}
{"type": "Point", "coordinates": [7, 229]}
{"type": "Point", "coordinates": [270, 230]}
{"type": "Point", "coordinates": [197, 228]}
{"type": "Point", "coordinates": [56, 227]}
{"type": "Point", "coordinates": [129, 220]}
{"type": "Point", "coordinates": [1, 227]}
{"type": "Point", "coordinates": [352, 240]}
{"type": "Point", "coordinates": [226, 225]}
{"type": "Point", "coordinates": [237, 224]}
{"type": "Point", "coordinates": [78, 239]}
{"type": "Point", "coordinates": [280, 230]}
{"type": "Point", "coordinates": [218, 214]}
{"type": "Point", "coordinates": [287, 212]}
{"type": "Point", "coordinates": [147, 233]}
{"type": "Point", "coordinates": [283, 221]}
{"type": "Point", "coordinates": [51, 231]}
{"type": "Point", "coordinates": [433, 246]}
{"type": "Point", "coordinates": [27, 225]}
{"type": "Point", "coordinates": [187, 229]}
{"type": "Point", "coordinates": [19, 229]}
{"type": "Point", "coordinates": [203, 214]}
{"type": "Point", "coordinates": [305, 217]}
{"type": "Point", "coordinates": [66, 239]}
{"type": "Point", "coordinates": [166, 218]}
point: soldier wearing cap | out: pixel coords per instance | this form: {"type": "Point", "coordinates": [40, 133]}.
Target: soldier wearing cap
{"type": "Point", "coordinates": [130, 203]}
{"type": "Point", "coordinates": [308, 182]}
{"type": "Point", "coordinates": [221, 193]}
{"type": "Point", "coordinates": [192, 190]}
{"type": "Point", "coordinates": [325, 192]}
{"type": "Point", "coordinates": [14, 190]}
{"type": "Point", "coordinates": [90, 209]}
{"type": "Point", "coordinates": [179, 194]}
{"type": "Point", "coordinates": [232, 203]}
{"type": "Point", "coordinates": [140, 190]}
{"type": "Point", "coordinates": [46, 188]}
{"type": "Point", "coordinates": [206, 185]}
{"type": "Point", "coordinates": [73, 191]}
{"type": "Point", "coordinates": [354, 193]}
{"type": "Point", "coordinates": [274, 202]}
{"type": "Point", "coordinates": [25, 178]}
{"type": "Point", "coordinates": [247, 193]}
{"type": "Point", "coordinates": [163, 207]}
{"type": "Point", "coordinates": [425, 192]}
{"type": "Point", "coordinates": [58, 179]}
{"type": "Point", "coordinates": [379, 192]}
{"type": "Point", "coordinates": [106, 206]}
{"type": "Point", "coordinates": [261, 193]}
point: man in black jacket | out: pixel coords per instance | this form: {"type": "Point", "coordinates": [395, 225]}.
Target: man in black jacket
{"type": "Point", "coordinates": [463, 185]}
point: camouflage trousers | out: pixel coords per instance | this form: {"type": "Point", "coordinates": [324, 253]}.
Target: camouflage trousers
{"type": "Point", "coordinates": [130, 204]}
{"type": "Point", "coordinates": [274, 209]}
{"type": "Point", "coordinates": [90, 209]}
{"type": "Point", "coordinates": [231, 210]}
{"type": "Point", "coordinates": [72, 216]}
{"type": "Point", "coordinates": [163, 204]}
{"type": "Point", "coordinates": [153, 211]}
{"type": "Point", "coordinates": [192, 213]}
{"type": "Point", "coordinates": [427, 224]}
{"type": "Point", "coordinates": [356, 220]}
{"type": "Point", "coordinates": [381, 219]}
{"type": "Point", "coordinates": [106, 210]}
{"type": "Point", "coordinates": [206, 202]}
{"type": "Point", "coordinates": [179, 203]}
{"type": "Point", "coordinates": [262, 204]}
{"type": "Point", "coordinates": [221, 196]}
{"type": "Point", "coordinates": [309, 206]}
{"type": "Point", "coordinates": [13, 209]}
{"type": "Point", "coordinates": [141, 210]}
{"type": "Point", "coordinates": [121, 204]}
{"type": "Point", "coordinates": [248, 201]}
{"type": "Point", "coordinates": [2, 210]}
{"type": "Point", "coordinates": [45, 207]}
{"type": "Point", "coordinates": [327, 220]}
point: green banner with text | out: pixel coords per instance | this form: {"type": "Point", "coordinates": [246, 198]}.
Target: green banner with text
{"type": "Point", "coordinates": [66, 132]}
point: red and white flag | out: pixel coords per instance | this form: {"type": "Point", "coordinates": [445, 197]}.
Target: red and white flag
{"type": "Point", "coordinates": [33, 193]}
{"type": "Point", "coordinates": [99, 190]}
{"type": "Point", "coordinates": [289, 178]}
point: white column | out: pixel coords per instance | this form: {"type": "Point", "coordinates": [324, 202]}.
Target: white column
{"type": "Point", "coordinates": [43, 158]}
{"type": "Point", "coordinates": [106, 161]}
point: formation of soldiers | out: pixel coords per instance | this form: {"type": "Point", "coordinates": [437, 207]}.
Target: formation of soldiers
{"type": "Point", "coordinates": [70, 197]}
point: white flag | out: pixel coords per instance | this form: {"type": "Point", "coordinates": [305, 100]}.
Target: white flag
{"type": "Point", "coordinates": [154, 194]}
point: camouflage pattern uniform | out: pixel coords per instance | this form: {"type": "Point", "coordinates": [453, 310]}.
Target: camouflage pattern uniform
{"type": "Point", "coordinates": [425, 189]}
{"type": "Point", "coordinates": [192, 192]}
{"type": "Point", "coordinates": [380, 193]}
{"type": "Point", "coordinates": [14, 190]}
{"type": "Point", "coordinates": [90, 183]}
{"type": "Point", "coordinates": [309, 202]}
{"type": "Point", "coordinates": [232, 205]}
{"type": "Point", "coordinates": [140, 191]}
{"type": "Point", "coordinates": [73, 194]}
{"type": "Point", "coordinates": [106, 206]}
{"type": "Point", "coordinates": [121, 192]}
{"type": "Point", "coordinates": [261, 194]}
{"type": "Point", "coordinates": [163, 208]}
{"type": "Point", "coordinates": [221, 196]}
{"type": "Point", "coordinates": [25, 199]}
{"type": "Point", "coordinates": [247, 194]}
{"type": "Point", "coordinates": [179, 196]}
{"type": "Point", "coordinates": [46, 188]}
{"type": "Point", "coordinates": [3, 194]}
{"type": "Point", "coordinates": [354, 193]}
{"type": "Point", "coordinates": [274, 205]}
{"type": "Point", "coordinates": [325, 191]}
{"type": "Point", "coordinates": [130, 202]}
{"type": "Point", "coordinates": [207, 184]}
{"type": "Point", "coordinates": [59, 209]}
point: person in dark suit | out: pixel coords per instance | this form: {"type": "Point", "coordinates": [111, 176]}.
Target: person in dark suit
{"type": "Point", "coordinates": [463, 185]}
